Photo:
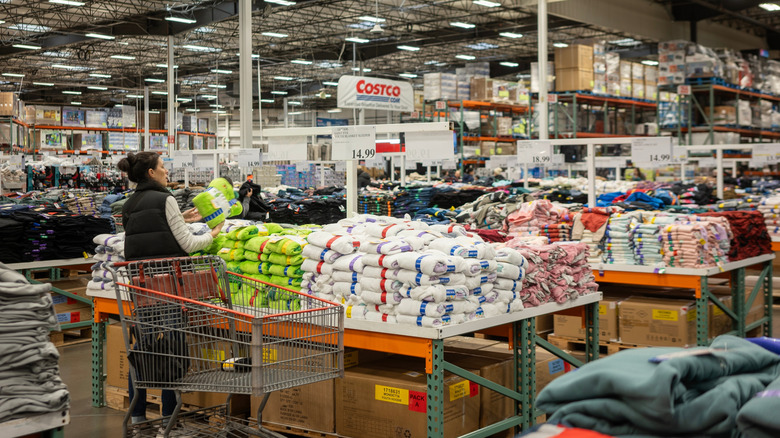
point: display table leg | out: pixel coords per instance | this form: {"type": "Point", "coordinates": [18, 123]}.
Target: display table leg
{"type": "Point", "coordinates": [738, 300]}
{"type": "Point", "coordinates": [592, 332]}
{"type": "Point", "coordinates": [768, 299]}
{"type": "Point", "coordinates": [702, 313]}
{"type": "Point", "coordinates": [436, 391]}
{"type": "Point", "coordinates": [98, 342]}
{"type": "Point", "coordinates": [526, 354]}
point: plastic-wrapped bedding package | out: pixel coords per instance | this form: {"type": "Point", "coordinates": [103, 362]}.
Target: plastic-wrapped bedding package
{"type": "Point", "coordinates": [391, 270]}
{"type": "Point", "coordinates": [540, 218]}
{"type": "Point", "coordinates": [698, 244]}
{"type": "Point", "coordinates": [110, 248]}
{"type": "Point", "coordinates": [770, 208]}
{"type": "Point", "coordinates": [619, 244]}
{"type": "Point", "coordinates": [590, 226]}
{"type": "Point", "coordinates": [646, 236]}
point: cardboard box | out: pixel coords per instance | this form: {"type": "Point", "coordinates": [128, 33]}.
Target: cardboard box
{"type": "Point", "coordinates": [575, 56]}
{"type": "Point", "coordinates": [722, 115]}
{"type": "Point", "coordinates": [545, 323]}
{"type": "Point", "coordinates": [637, 72]}
{"type": "Point", "coordinates": [505, 148]}
{"type": "Point", "coordinates": [548, 368]}
{"type": "Point", "coordinates": [387, 399]}
{"type": "Point", "coordinates": [574, 326]}
{"type": "Point", "coordinates": [657, 321]}
{"type": "Point", "coordinates": [651, 92]}
{"type": "Point", "coordinates": [638, 89]}
{"type": "Point", "coordinates": [117, 365]}
{"type": "Point", "coordinates": [573, 79]}
{"type": "Point", "coordinates": [9, 104]}
{"type": "Point", "coordinates": [468, 343]}
{"type": "Point", "coordinates": [651, 75]}
{"type": "Point", "coordinates": [625, 88]}
{"type": "Point", "coordinates": [75, 313]}
{"type": "Point", "coordinates": [626, 70]}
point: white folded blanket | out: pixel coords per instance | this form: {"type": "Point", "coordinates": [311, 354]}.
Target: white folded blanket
{"type": "Point", "coordinates": [391, 246]}
{"type": "Point", "coordinates": [356, 311]}
{"type": "Point", "coordinates": [482, 289]}
{"type": "Point", "coordinates": [345, 276]}
{"type": "Point", "coordinates": [424, 321]}
{"type": "Point", "coordinates": [102, 275]}
{"type": "Point", "coordinates": [342, 244]}
{"type": "Point", "coordinates": [408, 306]}
{"type": "Point", "coordinates": [319, 253]}
{"type": "Point", "coordinates": [350, 262]}
{"type": "Point", "coordinates": [476, 266]}
{"type": "Point", "coordinates": [108, 239]}
{"type": "Point", "coordinates": [374, 272]}
{"type": "Point", "coordinates": [426, 236]}
{"type": "Point", "coordinates": [506, 296]}
{"type": "Point", "coordinates": [376, 298]}
{"type": "Point", "coordinates": [475, 282]}
{"type": "Point", "coordinates": [383, 308]}
{"type": "Point", "coordinates": [512, 272]}
{"type": "Point", "coordinates": [380, 261]}
{"type": "Point", "coordinates": [380, 317]}
{"type": "Point", "coordinates": [413, 277]}
{"type": "Point", "coordinates": [382, 231]}
{"type": "Point", "coordinates": [454, 248]}
{"type": "Point", "coordinates": [429, 264]}
{"type": "Point", "coordinates": [507, 284]}
{"type": "Point", "coordinates": [108, 258]}
{"type": "Point", "coordinates": [311, 265]}
{"type": "Point", "coordinates": [346, 289]}
{"type": "Point", "coordinates": [100, 285]}
{"type": "Point", "coordinates": [380, 285]}
{"type": "Point", "coordinates": [436, 293]}
{"type": "Point", "coordinates": [450, 229]}
{"type": "Point", "coordinates": [511, 256]}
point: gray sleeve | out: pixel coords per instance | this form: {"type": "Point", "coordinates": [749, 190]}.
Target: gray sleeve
{"type": "Point", "coordinates": [188, 241]}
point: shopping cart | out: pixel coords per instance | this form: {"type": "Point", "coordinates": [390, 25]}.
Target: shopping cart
{"type": "Point", "coordinates": [193, 326]}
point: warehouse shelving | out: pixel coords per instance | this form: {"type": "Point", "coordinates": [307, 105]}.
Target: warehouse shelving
{"type": "Point", "coordinates": [610, 106]}
{"type": "Point", "coordinates": [13, 134]}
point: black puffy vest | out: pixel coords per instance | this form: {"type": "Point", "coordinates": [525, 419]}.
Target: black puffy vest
{"type": "Point", "coordinates": [147, 233]}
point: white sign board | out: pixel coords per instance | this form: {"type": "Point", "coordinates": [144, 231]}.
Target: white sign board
{"type": "Point", "coordinates": [651, 151]}
{"type": "Point", "coordinates": [378, 161]}
{"type": "Point", "coordinates": [341, 166]}
{"type": "Point", "coordinates": [765, 153]}
{"type": "Point", "coordinates": [301, 166]}
{"type": "Point", "coordinates": [558, 159]}
{"type": "Point", "coordinates": [293, 148]}
{"type": "Point", "coordinates": [707, 162]}
{"type": "Point", "coordinates": [679, 154]}
{"type": "Point", "coordinates": [353, 143]}
{"type": "Point", "coordinates": [203, 162]}
{"type": "Point", "coordinates": [410, 165]}
{"type": "Point", "coordinates": [534, 152]}
{"type": "Point", "coordinates": [182, 159]}
{"type": "Point", "coordinates": [375, 93]}
{"type": "Point", "coordinates": [684, 90]}
{"type": "Point", "coordinates": [449, 164]}
{"type": "Point", "coordinates": [433, 145]}
{"type": "Point", "coordinates": [250, 157]}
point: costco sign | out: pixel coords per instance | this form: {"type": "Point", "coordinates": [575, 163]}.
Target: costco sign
{"type": "Point", "coordinates": [375, 93]}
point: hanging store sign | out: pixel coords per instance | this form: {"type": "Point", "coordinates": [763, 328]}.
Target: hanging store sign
{"type": "Point", "coordinates": [353, 143]}
{"type": "Point", "coordinates": [248, 158]}
{"type": "Point", "coordinates": [652, 151]}
{"type": "Point", "coordinates": [375, 93]}
{"type": "Point", "coordinates": [182, 159]}
{"type": "Point", "coordinates": [430, 145]}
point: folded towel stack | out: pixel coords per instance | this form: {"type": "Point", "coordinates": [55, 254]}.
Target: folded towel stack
{"type": "Point", "coordinates": [646, 236]}
{"type": "Point", "coordinates": [110, 248]}
{"type": "Point", "coordinates": [770, 208]}
{"type": "Point", "coordinates": [540, 217]}
{"type": "Point", "coordinates": [694, 244]}
{"type": "Point", "coordinates": [619, 244]}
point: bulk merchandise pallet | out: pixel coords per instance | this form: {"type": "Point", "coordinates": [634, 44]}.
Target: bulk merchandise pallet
{"type": "Point", "coordinates": [697, 279]}
{"type": "Point", "coordinates": [428, 344]}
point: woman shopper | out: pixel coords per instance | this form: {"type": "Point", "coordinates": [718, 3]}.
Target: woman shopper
{"type": "Point", "coordinates": [155, 228]}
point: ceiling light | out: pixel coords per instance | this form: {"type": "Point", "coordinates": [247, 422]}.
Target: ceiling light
{"type": "Point", "coordinates": [192, 110]}
{"type": "Point", "coordinates": [408, 75]}
{"type": "Point", "coordinates": [208, 96]}
{"type": "Point", "coordinates": [281, 2]}
{"type": "Point", "coordinates": [254, 55]}
{"type": "Point", "coordinates": [224, 72]}
{"type": "Point", "coordinates": [409, 48]}
{"type": "Point", "coordinates": [44, 84]}
{"type": "Point", "coordinates": [275, 34]}
{"type": "Point", "coordinates": [279, 92]}
{"type": "Point", "coordinates": [183, 99]}
{"type": "Point", "coordinates": [134, 96]}
{"type": "Point", "coordinates": [217, 86]}
{"type": "Point", "coordinates": [75, 103]}
{"type": "Point", "coordinates": [301, 62]}
{"type": "Point", "coordinates": [195, 48]}
{"type": "Point", "coordinates": [267, 100]}
{"type": "Point", "coordinates": [771, 7]}
{"type": "Point", "coordinates": [98, 75]}
{"type": "Point", "coordinates": [509, 64]}
{"type": "Point", "coordinates": [14, 75]}
{"type": "Point", "coordinates": [101, 36]}
{"type": "Point", "coordinates": [356, 40]}
{"type": "Point", "coordinates": [155, 80]}
{"type": "Point", "coordinates": [376, 29]}
{"type": "Point", "coordinates": [462, 25]}
{"type": "Point", "coordinates": [294, 102]}
{"type": "Point", "coordinates": [26, 46]}
{"type": "Point", "coordinates": [181, 20]}
{"type": "Point", "coordinates": [372, 19]}
{"type": "Point", "coordinates": [219, 112]}
{"type": "Point", "coordinates": [30, 27]}
{"type": "Point", "coordinates": [216, 106]}
{"type": "Point", "coordinates": [97, 88]}
{"type": "Point", "coordinates": [71, 92]}
{"type": "Point", "coordinates": [334, 110]}
{"type": "Point", "coordinates": [560, 45]}
{"type": "Point", "coordinates": [625, 42]}
{"type": "Point", "coordinates": [165, 66]}
{"type": "Point", "coordinates": [328, 96]}
{"type": "Point", "coordinates": [205, 29]}
{"type": "Point", "coordinates": [124, 57]}
{"type": "Point", "coordinates": [511, 35]}
{"type": "Point", "coordinates": [331, 84]}
{"type": "Point", "coordinates": [295, 113]}
{"type": "Point", "coordinates": [154, 112]}
{"type": "Point", "coordinates": [63, 66]}
{"type": "Point", "coordinates": [486, 3]}
{"type": "Point", "coordinates": [482, 46]}
{"type": "Point", "coordinates": [649, 62]}
{"type": "Point", "coordinates": [466, 57]}
{"type": "Point", "coordinates": [161, 93]}
{"type": "Point", "coordinates": [67, 2]}
{"type": "Point", "coordinates": [284, 78]}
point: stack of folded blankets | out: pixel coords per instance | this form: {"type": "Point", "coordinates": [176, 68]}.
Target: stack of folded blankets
{"type": "Point", "coordinates": [109, 250]}
{"type": "Point", "coordinates": [590, 226]}
{"type": "Point", "coordinates": [88, 204]}
{"type": "Point", "coordinates": [489, 211]}
{"type": "Point", "coordinates": [29, 370]}
{"type": "Point", "coordinates": [388, 270]}
{"type": "Point", "coordinates": [229, 244]}
{"type": "Point", "coordinates": [377, 203]}
{"type": "Point", "coordinates": [532, 218]}
{"type": "Point", "coordinates": [412, 199]}
{"type": "Point", "coordinates": [11, 234]}
{"type": "Point", "coordinates": [750, 236]}
{"type": "Point", "coordinates": [646, 239]}
{"type": "Point", "coordinates": [770, 208]}
{"type": "Point", "coordinates": [697, 244]}
{"type": "Point", "coordinates": [619, 244]}
{"type": "Point", "coordinates": [560, 232]}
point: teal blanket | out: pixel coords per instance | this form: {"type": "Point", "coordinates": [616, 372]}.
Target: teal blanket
{"type": "Point", "coordinates": [760, 417]}
{"type": "Point", "coordinates": [627, 394]}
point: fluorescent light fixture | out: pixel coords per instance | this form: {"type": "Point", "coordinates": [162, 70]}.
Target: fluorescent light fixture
{"type": "Point", "coordinates": [328, 96]}
{"type": "Point", "coordinates": [124, 57]}
{"type": "Point", "coordinates": [216, 105]}
{"type": "Point", "coordinates": [356, 40]}
{"type": "Point", "coordinates": [408, 75]}
{"type": "Point", "coordinates": [649, 62]}
{"type": "Point", "coordinates": [281, 2]}
{"type": "Point", "coordinates": [165, 66]}
{"type": "Point", "coordinates": [220, 71]}
{"type": "Point", "coordinates": [30, 27]}
{"type": "Point", "coordinates": [56, 54]}
{"type": "Point", "coordinates": [182, 20]}
{"type": "Point", "coordinates": [625, 42]}
{"type": "Point", "coordinates": [294, 102]}
{"type": "Point", "coordinates": [184, 99]}
{"type": "Point", "coordinates": [217, 86]}
{"type": "Point", "coordinates": [284, 78]}
{"type": "Point", "coordinates": [195, 48]}
{"type": "Point", "coordinates": [275, 34]}
{"type": "Point", "coordinates": [75, 103]}
{"type": "Point", "coordinates": [192, 110]}
{"type": "Point", "coordinates": [462, 25]}
{"type": "Point", "coordinates": [154, 112]}
{"type": "Point", "coordinates": [208, 96]}
{"type": "Point", "coordinates": [334, 110]}
{"type": "Point", "coordinates": [267, 100]}
{"type": "Point", "coordinates": [482, 46]}
{"type": "Point", "coordinates": [281, 93]}
{"type": "Point", "coordinates": [295, 113]}
{"type": "Point", "coordinates": [560, 45]}
{"type": "Point", "coordinates": [155, 80]}
{"type": "Point", "coordinates": [71, 92]}
{"type": "Point", "coordinates": [67, 2]}
{"type": "Point", "coordinates": [134, 96]}
{"type": "Point", "coordinates": [254, 55]}
{"type": "Point", "coordinates": [44, 84]}
{"type": "Point", "coordinates": [219, 112]}
{"type": "Point", "coordinates": [96, 75]}
{"type": "Point", "coordinates": [509, 64]}
{"type": "Point", "coordinates": [101, 36]}
{"type": "Point", "coordinates": [97, 88]}
{"type": "Point", "coordinates": [14, 75]}
{"type": "Point", "coordinates": [63, 66]}
{"type": "Point", "coordinates": [372, 19]}
{"type": "Point", "coordinates": [301, 62]}
{"type": "Point", "coordinates": [409, 48]}
{"type": "Point", "coordinates": [771, 7]}
{"type": "Point", "coordinates": [161, 93]}
{"type": "Point", "coordinates": [27, 46]}
{"type": "Point", "coordinates": [205, 29]}
{"type": "Point", "coordinates": [486, 3]}
{"type": "Point", "coordinates": [511, 35]}
{"type": "Point", "coordinates": [466, 57]}
{"type": "Point", "coordinates": [331, 84]}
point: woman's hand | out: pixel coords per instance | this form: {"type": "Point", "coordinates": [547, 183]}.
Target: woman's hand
{"type": "Point", "coordinates": [192, 215]}
{"type": "Point", "coordinates": [215, 231]}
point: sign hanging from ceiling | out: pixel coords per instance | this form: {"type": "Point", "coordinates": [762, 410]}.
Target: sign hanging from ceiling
{"type": "Point", "coordinates": [375, 93]}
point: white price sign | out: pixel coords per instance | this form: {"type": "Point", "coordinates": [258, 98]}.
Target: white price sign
{"type": "Point", "coordinates": [679, 155]}
{"type": "Point", "coordinates": [293, 148]}
{"type": "Point", "coordinates": [250, 157]}
{"type": "Point", "coordinates": [203, 162]}
{"type": "Point", "coordinates": [502, 161]}
{"type": "Point", "coordinates": [411, 165]}
{"type": "Point", "coordinates": [376, 162]}
{"type": "Point", "coordinates": [766, 153]}
{"type": "Point", "coordinates": [341, 166]}
{"type": "Point", "coordinates": [15, 160]}
{"type": "Point", "coordinates": [652, 151]}
{"type": "Point", "coordinates": [301, 166]}
{"type": "Point", "coordinates": [434, 145]}
{"type": "Point", "coordinates": [431, 163]}
{"type": "Point", "coordinates": [534, 152]}
{"type": "Point", "coordinates": [707, 162]}
{"type": "Point", "coordinates": [353, 143]}
{"type": "Point", "coordinates": [182, 159]}
{"type": "Point", "coordinates": [558, 159]}
{"type": "Point", "coordinates": [449, 164]}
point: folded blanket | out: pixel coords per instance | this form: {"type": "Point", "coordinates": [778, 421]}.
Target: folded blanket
{"type": "Point", "coordinates": [341, 244]}
{"type": "Point", "coordinates": [476, 266]}
{"type": "Point", "coordinates": [507, 284]}
{"type": "Point", "coordinates": [285, 281]}
{"type": "Point", "coordinates": [382, 231]}
{"type": "Point", "coordinates": [291, 245]}
{"type": "Point", "coordinates": [482, 289]}
{"type": "Point", "coordinates": [758, 418]}
{"type": "Point", "coordinates": [256, 244]}
{"type": "Point", "coordinates": [435, 293]}
{"type": "Point", "coordinates": [426, 236]}
{"type": "Point", "coordinates": [349, 262]}
{"type": "Point", "coordinates": [356, 311]}
{"type": "Point", "coordinates": [285, 271]}
{"type": "Point", "coordinates": [380, 261]}
{"type": "Point", "coordinates": [391, 246]}
{"type": "Point", "coordinates": [281, 259]}
{"type": "Point", "coordinates": [511, 272]}
{"type": "Point", "coordinates": [511, 256]}
{"type": "Point", "coordinates": [413, 277]}
{"type": "Point", "coordinates": [424, 321]}
{"type": "Point", "coordinates": [375, 298]}
{"type": "Point", "coordinates": [345, 276]}
{"type": "Point", "coordinates": [319, 253]}
{"type": "Point", "coordinates": [475, 282]}
{"type": "Point", "coordinates": [380, 317]}
{"type": "Point", "coordinates": [310, 265]}
{"type": "Point", "coordinates": [409, 306]}
{"type": "Point", "coordinates": [380, 285]}
{"type": "Point", "coordinates": [346, 289]}
{"type": "Point", "coordinates": [229, 254]}
{"type": "Point", "coordinates": [253, 256]}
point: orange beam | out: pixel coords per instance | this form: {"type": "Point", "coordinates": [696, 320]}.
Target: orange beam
{"type": "Point", "coordinates": [649, 279]}
{"type": "Point", "coordinates": [107, 306]}
{"type": "Point", "coordinates": [405, 345]}
{"type": "Point", "coordinates": [775, 246]}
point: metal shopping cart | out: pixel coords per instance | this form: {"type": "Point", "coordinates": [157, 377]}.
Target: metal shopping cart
{"type": "Point", "coordinates": [193, 326]}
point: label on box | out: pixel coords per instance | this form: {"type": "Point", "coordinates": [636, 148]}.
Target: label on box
{"type": "Point", "coordinates": [68, 317]}
{"type": "Point", "coordinates": [212, 355]}
{"type": "Point", "coordinates": [391, 395]}
{"type": "Point", "coordinates": [459, 390]}
{"type": "Point", "coordinates": [665, 315]}
{"type": "Point", "coordinates": [716, 311]}
{"type": "Point", "coordinates": [269, 355]}
{"type": "Point", "coordinates": [602, 309]}
{"type": "Point", "coordinates": [418, 401]}
{"type": "Point", "coordinates": [556, 366]}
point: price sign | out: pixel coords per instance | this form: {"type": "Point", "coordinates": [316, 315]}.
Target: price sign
{"type": "Point", "coordinates": [341, 166]}
{"type": "Point", "coordinates": [250, 157]}
{"type": "Point", "coordinates": [534, 152]}
{"type": "Point", "coordinates": [15, 160]}
{"type": "Point", "coordinates": [411, 165]}
{"type": "Point", "coordinates": [440, 105]}
{"type": "Point", "coordinates": [376, 162]}
{"type": "Point", "coordinates": [287, 149]}
{"type": "Point", "coordinates": [552, 98]}
{"type": "Point", "coordinates": [301, 166]}
{"type": "Point", "coordinates": [707, 162]}
{"type": "Point", "coordinates": [652, 151]}
{"type": "Point", "coordinates": [183, 159]}
{"type": "Point", "coordinates": [449, 164]}
{"type": "Point", "coordinates": [558, 159]}
{"type": "Point", "coordinates": [203, 162]}
{"type": "Point", "coordinates": [434, 145]}
{"type": "Point", "coordinates": [684, 90]}
{"type": "Point", "coordinates": [431, 163]}
{"type": "Point", "coordinates": [353, 143]}
{"type": "Point", "coordinates": [766, 153]}
{"type": "Point", "coordinates": [679, 155]}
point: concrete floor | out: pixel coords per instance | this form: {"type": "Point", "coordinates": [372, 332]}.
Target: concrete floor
{"type": "Point", "coordinates": [87, 422]}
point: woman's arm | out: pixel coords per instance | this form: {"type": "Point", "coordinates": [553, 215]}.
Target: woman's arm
{"type": "Point", "coordinates": [188, 241]}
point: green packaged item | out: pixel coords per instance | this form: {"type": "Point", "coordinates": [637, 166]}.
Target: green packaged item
{"type": "Point", "coordinates": [286, 281]}
{"type": "Point", "coordinates": [249, 267]}
{"type": "Point", "coordinates": [284, 306]}
{"type": "Point", "coordinates": [251, 255]}
{"type": "Point", "coordinates": [228, 254]}
{"type": "Point", "coordinates": [281, 259]}
{"type": "Point", "coordinates": [285, 271]}
{"type": "Point", "coordinates": [216, 244]}
{"type": "Point", "coordinates": [234, 266]}
{"type": "Point", "coordinates": [256, 244]}
{"type": "Point", "coordinates": [273, 228]}
{"type": "Point", "coordinates": [287, 246]}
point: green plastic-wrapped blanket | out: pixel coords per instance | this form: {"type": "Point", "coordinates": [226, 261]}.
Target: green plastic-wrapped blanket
{"type": "Point", "coordinates": [759, 417]}
{"type": "Point", "coordinates": [283, 306]}
{"type": "Point", "coordinates": [228, 254]}
{"type": "Point", "coordinates": [216, 244]}
{"type": "Point", "coordinates": [256, 244]}
{"type": "Point", "coordinates": [286, 271]}
{"type": "Point", "coordinates": [292, 283]}
{"type": "Point", "coordinates": [281, 259]}
{"type": "Point", "coordinates": [234, 266]}
{"type": "Point", "coordinates": [287, 246]}
{"type": "Point", "coordinates": [251, 255]}
{"type": "Point", "coordinates": [690, 395]}
{"type": "Point", "coordinates": [250, 267]}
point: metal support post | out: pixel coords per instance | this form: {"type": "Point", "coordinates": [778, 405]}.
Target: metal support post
{"type": "Point", "coordinates": [702, 314]}
{"type": "Point", "coordinates": [541, 59]}
{"type": "Point", "coordinates": [171, 100]}
{"type": "Point", "coordinates": [738, 300]}
{"type": "Point", "coordinates": [435, 393]}
{"type": "Point", "coordinates": [147, 134]}
{"type": "Point", "coordinates": [527, 369]}
{"type": "Point", "coordinates": [98, 370]}
{"type": "Point", "coordinates": [591, 332]}
{"type": "Point", "coordinates": [245, 72]}
{"type": "Point", "coordinates": [768, 299]}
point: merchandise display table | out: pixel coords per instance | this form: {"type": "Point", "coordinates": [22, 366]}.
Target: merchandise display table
{"type": "Point", "coordinates": [49, 425]}
{"type": "Point", "coordinates": [426, 343]}
{"type": "Point", "coordinates": [697, 279]}
{"type": "Point", "coordinates": [776, 244]}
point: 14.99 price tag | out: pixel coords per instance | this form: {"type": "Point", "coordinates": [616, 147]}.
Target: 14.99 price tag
{"type": "Point", "coordinates": [353, 143]}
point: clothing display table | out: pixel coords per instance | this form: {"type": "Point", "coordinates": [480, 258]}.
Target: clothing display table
{"type": "Point", "coordinates": [697, 279]}
{"type": "Point", "coordinates": [50, 425]}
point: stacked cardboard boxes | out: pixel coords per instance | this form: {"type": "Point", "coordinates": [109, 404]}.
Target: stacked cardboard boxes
{"type": "Point", "coordinates": [651, 83]}
{"type": "Point", "coordinates": [535, 77]}
{"type": "Point", "coordinates": [599, 69]}
{"type": "Point", "coordinates": [613, 73]}
{"type": "Point", "coordinates": [440, 86]}
{"type": "Point", "coordinates": [626, 71]}
{"type": "Point", "coordinates": [574, 68]}
{"type": "Point", "coordinates": [671, 62]}
{"type": "Point", "coordinates": [637, 80]}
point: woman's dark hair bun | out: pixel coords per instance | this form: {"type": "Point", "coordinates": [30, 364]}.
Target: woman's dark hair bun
{"type": "Point", "coordinates": [137, 165]}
